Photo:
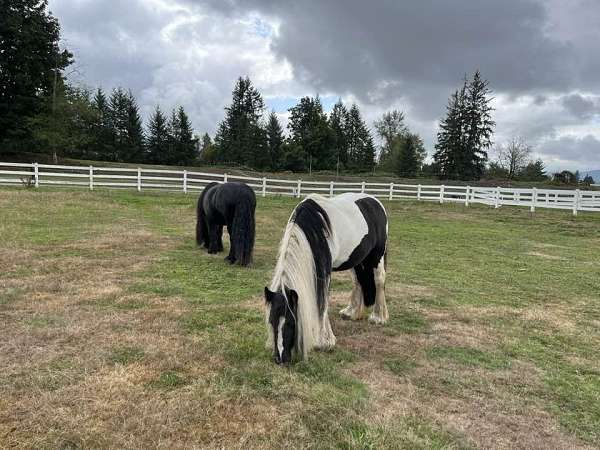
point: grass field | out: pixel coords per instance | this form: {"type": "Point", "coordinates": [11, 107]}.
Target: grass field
{"type": "Point", "coordinates": [117, 332]}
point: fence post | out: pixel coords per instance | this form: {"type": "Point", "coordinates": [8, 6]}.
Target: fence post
{"type": "Point", "coordinates": [362, 188]}
{"type": "Point", "coordinates": [225, 178]}
{"type": "Point", "coordinates": [185, 181]}
{"type": "Point", "coordinates": [441, 194]}
{"type": "Point", "coordinates": [36, 174]}
{"type": "Point", "coordinates": [533, 199]}
{"type": "Point", "coordinates": [497, 200]}
{"type": "Point", "coordinates": [331, 189]}
{"type": "Point", "coordinates": [576, 202]}
{"type": "Point", "coordinates": [264, 187]}
{"type": "Point", "coordinates": [91, 178]}
{"type": "Point", "coordinates": [298, 189]}
{"type": "Point", "coordinates": [391, 191]}
{"type": "Point", "coordinates": [467, 196]}
{"type": "Point", "coordinates": [139, 180]}
{"type": "Point", "coordinates": [419, 192]}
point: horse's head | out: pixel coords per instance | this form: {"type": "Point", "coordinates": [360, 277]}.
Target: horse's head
{"type": "Point", "coordinates": [282, 320]}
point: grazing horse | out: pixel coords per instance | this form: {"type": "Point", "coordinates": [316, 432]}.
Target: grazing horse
{"type": "Point", "coordinates": [346, 232]}
{"type": "Point", "coordinates": [231, 204]}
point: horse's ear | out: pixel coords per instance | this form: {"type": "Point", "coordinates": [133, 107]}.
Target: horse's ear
{"type": "Point", "coordinates": [268, 295]}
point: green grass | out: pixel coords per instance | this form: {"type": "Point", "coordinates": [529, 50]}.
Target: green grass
{"type": "Point", "coordinates": [469, 357]}
{"type": "Point", "coordinates": [468, 288]}
{"type": "Point", "coordinates": [125, 355]}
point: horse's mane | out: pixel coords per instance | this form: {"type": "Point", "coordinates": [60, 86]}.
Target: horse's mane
{"type": "Point", "coordinates": [304, 264]}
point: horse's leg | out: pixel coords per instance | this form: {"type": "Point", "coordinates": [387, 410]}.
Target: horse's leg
{"type": "Point", "coordinates": [327, 336]}
{"type": "Point", "coordinates": [213, 238]}
{"type": "Point", "coordinates": [380, 312]}
{"type": "Point", "coordinates": [231, 257]}
{"type": "Point", "coordinates": [355, 309]}
{"type": "Point", "coordinates": [219, 238]}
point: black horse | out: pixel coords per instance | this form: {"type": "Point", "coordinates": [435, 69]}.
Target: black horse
{"type": "Point", "coordinates": [231, 204]}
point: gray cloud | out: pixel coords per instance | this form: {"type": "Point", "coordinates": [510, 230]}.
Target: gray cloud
{"type": "Point", "coordinates": [539, 55]}
{"type": "Point", "coordinates": [581, 107]}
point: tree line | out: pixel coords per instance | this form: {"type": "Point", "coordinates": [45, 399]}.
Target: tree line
{"type": "Point", "coordinates": [41, 112]}
{"type": "Point", "coordinates": [315, 140]}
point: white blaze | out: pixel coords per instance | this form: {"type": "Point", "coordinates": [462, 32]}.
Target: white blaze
{"type": "Point", "coordinates": [280, 336]}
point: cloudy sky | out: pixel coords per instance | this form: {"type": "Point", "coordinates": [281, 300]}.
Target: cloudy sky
{"type": "Point", "coordinates": [541, 57]}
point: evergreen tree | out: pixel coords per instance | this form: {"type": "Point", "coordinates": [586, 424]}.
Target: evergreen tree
{"type": "Point", "coordinates": [101, 147]}
{"type": "Point", "coordinates": [65, 124]}
{"type": "Point", "coordinates": [171, 156]}
{"type": "Point", "coordinates": [409, 153]}
{"type": "Point", "coordinates": [118, 119]}
{"type": "Point", "coordinates": [466, 131]}
{"type": "Point", "coordinates": [534, 171]}
{"type": "Point", "coordinates": [361, 150]}
{"type": "Point", "coordinates": [180, 147]}
{"type": "Point", "coordinates": [337, 124]}
{"type": "Point", "coordinates": [133, 141]}
{"type": "Point", "coordinates": [186, 144]}
{"type": "Point", "coordinates": [587, 180]}
{"type": "Point", "coordinates": [310, 134]}
{"type": "Point", "coordinates": [31, 65]}
{"type": "Point", "coordinates": [479, 127]}
{"type": "Point", "coordinates": [240, 137]}
{"type": "Point", "coordinates": [157, 141]}
{"type": "Point", "coordinates": [389, 127]}
{"type": "Point", "coordinates": [450, 146]}
{"type": "Point", "coordinates": [275, 141]}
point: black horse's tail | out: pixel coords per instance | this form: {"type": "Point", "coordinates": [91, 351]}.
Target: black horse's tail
{"type": "Point", "coordinates": [243, 229]}
{"type": "Point", "coordinates": [201, 226]}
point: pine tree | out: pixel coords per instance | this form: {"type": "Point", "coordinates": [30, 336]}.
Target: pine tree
{"type": "Point", "coordinates": [118, 117]}
{"type": "Point", "coordinates": [240, 137]}
{"type": "Point", "coordinates": [450, 145]}
{"type": "Point", "coordinates": [133, 140]}
{"type": "Point", "coordinates": [171, 156]}
{"type": "Point", "coordinates": [186, 142]}
{"type": "Point", "coordinates": [157, 142]}
{"type": "Point", "coordinates": [534, 171]}
{"type": "Point", "coordinates": [310, 133]}
{"type": "Point", "coordinates": [31, 65]}
{"type": "Point", "coordinates": [103, 141]}
{"type": "Point", "coordinates": [479, 127]}
{"type": "Point", "coordinates": [337, 124]}
{"type": "Point", "coordinates": [361, 150]}
{"type": "Point", "coordinates": [466, 131]}
{"type": "Point", "coordinates": [275, 141]}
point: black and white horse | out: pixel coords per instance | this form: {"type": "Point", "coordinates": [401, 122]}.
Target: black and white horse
{"type": "Point", "coordinates": [233, 205]}
{"type": "Point", "coordinates": [346, 232]}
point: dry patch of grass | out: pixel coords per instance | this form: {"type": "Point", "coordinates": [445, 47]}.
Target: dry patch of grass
{"type": "Point", "coordinates": [546, 256]}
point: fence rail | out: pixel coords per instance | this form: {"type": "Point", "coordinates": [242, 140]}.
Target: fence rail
{"type": "Point", "coordinates": [185, 181]}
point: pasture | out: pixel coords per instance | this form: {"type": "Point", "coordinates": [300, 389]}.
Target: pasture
{"type": "Point", "coordinates": [117, 332]}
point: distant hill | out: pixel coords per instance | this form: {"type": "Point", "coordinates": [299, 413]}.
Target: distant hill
{"type": "Point", "coordinates": [595, 174]}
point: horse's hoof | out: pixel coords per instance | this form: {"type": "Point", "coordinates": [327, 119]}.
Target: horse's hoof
{"type": "Point", "coordinates": [377, 320]}
{"type": "Point", "coordinates": [229, 259]}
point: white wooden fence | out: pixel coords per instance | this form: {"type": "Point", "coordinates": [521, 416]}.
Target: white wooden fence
{"type": "Point", "coordinates": [90, 177]}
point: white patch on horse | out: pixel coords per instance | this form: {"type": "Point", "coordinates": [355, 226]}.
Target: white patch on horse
{"type": "Point", "coordinates": [344, 214]}
{"type": "Point", "coordinates": [280, 336]}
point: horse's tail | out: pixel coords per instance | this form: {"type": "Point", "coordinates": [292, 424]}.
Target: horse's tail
{"type": "Point", "coordinates": [201, 226]}
{"type": "Point", "coordinates": [243, 229]}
